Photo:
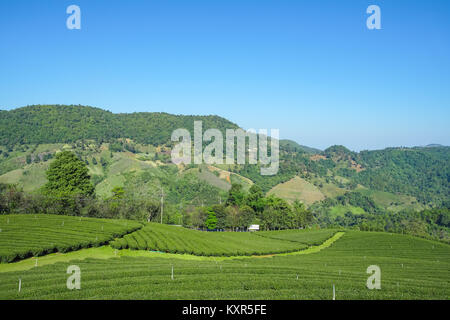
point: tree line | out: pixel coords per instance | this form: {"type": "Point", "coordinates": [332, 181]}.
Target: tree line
{"type": "Point", "coordinates": [243, 209]}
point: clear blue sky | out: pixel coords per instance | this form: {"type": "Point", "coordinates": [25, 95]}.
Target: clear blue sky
{"type": "Point", "coordinates": [310, 68]}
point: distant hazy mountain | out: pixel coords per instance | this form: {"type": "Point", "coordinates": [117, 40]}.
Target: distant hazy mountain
{"type": "Point", "coordinates": [433, 145]}
{"type": "Point", "coordinates": [294, 146]}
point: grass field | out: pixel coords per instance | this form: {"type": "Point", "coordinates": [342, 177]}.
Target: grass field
{"type": "Point", "coordinates": [298, 189]}
{"type": "Point", "coordinates": [22, 236]}
{"type": "Point", "coordinates": [209, 177]}
{"type": "Point", "coordinates": [30, 178]}
{"type": "Point", "coordinates": [411, 268]}
{"type": "Point", "coordinates": [173, 239]}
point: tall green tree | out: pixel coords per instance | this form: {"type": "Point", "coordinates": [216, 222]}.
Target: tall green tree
{"type": "Point", "coordinates": [255, 199]}
{"type": "Point", "coordinates": [68, 176]}
{"type": "Point", "coordinates": [302, 216]}
{"type": "Point", "coordinates": [211, 221]}
{"type": "Point", "coordinates": [235, 195]}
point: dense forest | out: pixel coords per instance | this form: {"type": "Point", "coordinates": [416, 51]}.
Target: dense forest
{"type": "Point", "coordinates": [422, 172]}
{"type": "Point", "coordinates": [60, 123]}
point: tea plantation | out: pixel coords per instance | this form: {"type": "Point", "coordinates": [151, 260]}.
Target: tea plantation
{"type": "Point", "coordinates": [173, 239]}
{"type": "Point", "coordinates": [312, 237]}
{"type": "Point", "coordinates": [22, 236]}
{"type": "Point", "coordinates": [291, 264]}
{"type": "Point", "coordinates": [411, 268]}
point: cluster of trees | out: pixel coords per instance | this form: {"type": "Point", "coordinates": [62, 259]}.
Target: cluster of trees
{"type": "Point", "coordinates": [245, 208]}
{"type": "Point", "coordinates": [70, 191]}
{"type": "Point", "coordinates": [15, 201]}
{"type": "Point", "coordinates": [94, 161]}
{"type": "Point", "coordinates": [119, 146]}
{"type": "Point", "coordinates": [37, 158]}
{"type": "Point", "coordinates": [430, 223]}
{"type": "Point", "coordinates": [355, 199]}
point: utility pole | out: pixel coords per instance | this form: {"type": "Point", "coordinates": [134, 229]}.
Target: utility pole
{"type": "Point", "coordinates": [162, 204]}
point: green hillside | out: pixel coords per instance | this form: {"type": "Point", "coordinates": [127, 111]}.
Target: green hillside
{"type": "Point", "coordinates": [61, 123]}
{"type": "Point", "coordinates": [298, 189]}
{"type": "Point", "coordinates": [293, 146]}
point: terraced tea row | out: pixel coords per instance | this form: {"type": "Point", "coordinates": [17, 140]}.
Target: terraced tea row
{"type": "Point", "coordinates": [22, 236]}
{"type": "Point", "coordinates": [173, 239]}
{"type": "Point", "coordinates": [422, 271]}
{"type": "Point", "coordinates": [310, 237]}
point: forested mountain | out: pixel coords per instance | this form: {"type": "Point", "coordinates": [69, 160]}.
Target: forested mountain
{"type": "Point", "coordinates": [62, 124]}
{"type": "Point", "coordinates": [293, 146]}
{"type": "Point", "coordinates": [422, 172]}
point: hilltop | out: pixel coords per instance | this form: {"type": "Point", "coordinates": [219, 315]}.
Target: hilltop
{"type": "Point", "coordinates": [42, 124]}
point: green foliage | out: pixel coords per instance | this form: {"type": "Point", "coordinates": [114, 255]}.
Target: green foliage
{"type": "Point", "coordinates": [235, 195]}
{"type": "Point", "coordinates": [420, 172]}
{"type": "Point", "coordinates": [243, 209]}
{"type": "Point", "coordinates": [67, 176]}
{"type": "Point", "coordinates": [211, 221]}
{"type": "Point", "coordinates": [118, 193]}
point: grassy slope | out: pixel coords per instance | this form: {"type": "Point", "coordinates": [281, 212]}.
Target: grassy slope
{"type": "Point", "coordinates": [341, 210]}
{"type": "Point", "coordinates": [30, 178]}
{"type": "Point", "coordinates": [298, 189]}
{"type": "Point", "coordinates": [210, 178]}
{"type": "Point", "coordinates": [411, 268]}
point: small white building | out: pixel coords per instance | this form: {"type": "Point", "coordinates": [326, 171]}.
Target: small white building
{"type": "Point", "coordinates": [253, 227]}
